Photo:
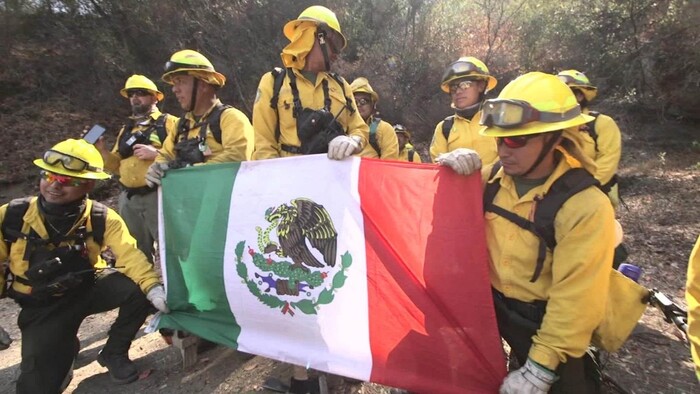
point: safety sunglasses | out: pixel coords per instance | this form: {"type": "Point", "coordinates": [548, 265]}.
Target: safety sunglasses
{"type": "Point", "coordinates": [138, 92]}
{"type": "Point", "coordinates": [72, 163]}
{"type": "Point", "coordinates": [174, 66]}
{"type": "Point", "coordinates": [514, 142]}
{"type": "Point", "coordinates": [463, 85]}
{"type": "Point", "coordinates": [363, 101]}
{"type": "Point", "coordinates": [62, 180]}
{"type": "Point", "coordinates": [506, 114]}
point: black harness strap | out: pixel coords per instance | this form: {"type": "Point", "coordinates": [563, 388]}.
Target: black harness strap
{"type": "Point", "coordinates": [447, 126]}
{"type": "Point", "coordinates": [212, 121]}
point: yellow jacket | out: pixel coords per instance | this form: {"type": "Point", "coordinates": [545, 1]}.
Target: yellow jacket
{"type": "Point", "coordinates": [234, 129]}
{"type": "Point", "coordinates": [692, 297]}
{"type": "Point", "coordinates": [575, 278]}
{"type": "Point", "coordinates": [311, 95]}
{"type": "Point", "coordinates": [132, 170]}
{"type": "Point", "coordinates": [116, 237]}
{"type": "Point", "coordinates": [607, 157]}
{"type": "Point", "coordinates": [387, 141]}
{"type": "Point", "coordinates": [464, 134]}
{"type": "Point", "coordinates": [403, 155]}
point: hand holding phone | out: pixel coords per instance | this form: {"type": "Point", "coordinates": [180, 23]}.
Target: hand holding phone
{"type": "Point", "coordinates": [94, 134]}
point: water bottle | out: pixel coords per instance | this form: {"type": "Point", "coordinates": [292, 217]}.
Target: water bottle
{"type": "Point", "coordinates": [631, 271]}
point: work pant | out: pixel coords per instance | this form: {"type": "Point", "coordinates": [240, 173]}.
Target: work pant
{"type": "Point", "coordinates": [140, 213]}
{"type": "Point", "coordinates": [519, 321]}
{"type": "Point", "coordinates": [49, 329]}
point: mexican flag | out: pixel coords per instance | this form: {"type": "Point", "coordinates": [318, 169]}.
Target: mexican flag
{"type": "Point", "coordinates": [374, 270]}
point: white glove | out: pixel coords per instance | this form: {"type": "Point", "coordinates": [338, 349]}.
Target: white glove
{"type": "Point", "coordinates": [157, 297]}
{"type": "Point", "coordinates": [155, 172]}
{"type": "Point", "coordinates": [342, 146]}
{"type": "Point", "coordinates": [531, 378]}
{"type": "Point", "coordinates": [464, 161]}
{"type": "Point", "coordinates": [5, 339]}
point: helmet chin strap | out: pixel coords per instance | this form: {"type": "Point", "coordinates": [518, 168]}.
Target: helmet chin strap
{"type": "Point", "coordinates": [321, 37]}
{"type": "Point", "coordinates": [193, 98]}
{"type": "Point", "coordinates": [554, 137]}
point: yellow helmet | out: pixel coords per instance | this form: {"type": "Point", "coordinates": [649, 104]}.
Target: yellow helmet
{"type": "Point", "coordinates": [467, 66]}
{"type": "Point", "coordinates": [137, 81]}
{"type": "Point", "coordinates": [578, 80]}
{"type": "Point", "coordinates": [361, 85]}
{"type": "Point", "coordinates": [75, 158]}
{"type": "Point", "coordinates": [533, 103]}
{"type": "Point", "coordinates": [195, 64]}
{"type": "Point", "coordinates": [319, 14]}
{"type": "Point", "coordinates": [399, 128]}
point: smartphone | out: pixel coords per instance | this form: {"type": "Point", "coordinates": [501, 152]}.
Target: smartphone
{"type": "Point", "coordinates": [95, 132]}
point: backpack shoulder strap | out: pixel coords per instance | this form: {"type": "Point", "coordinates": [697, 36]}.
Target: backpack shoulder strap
{"type": "Point", "coordinates": [214, 121]}
{"type": "Point", "coordinates": [278, 73]}
{"type": "Point", "coordinates": [373, 135]}
{"type": "Point", "coordinates": [570, 183]}
{"type": "Point", "coordinates": [348, 99]}
{"type": "Point", "coordinates": [98, 221]}
{"type": "Point", "coordinates": [590, 127]}
{"type": "Point", "coordinates": [411, 153]}
{"type": "Point", "coordinates": [491, 187]}
{"type": "Point", "coordinates": [14, 219]}
{"type": "Point", "coordinates": [447, 126]}
{"type": "Point", "coordinates": [160, 127]}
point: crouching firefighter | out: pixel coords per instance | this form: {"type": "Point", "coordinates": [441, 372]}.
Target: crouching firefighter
{"type": "Point", "coordinates": [550, 233]}
{"type": "Point", "coordinates": [53, 243]}
{"type": "Point", "coordinates": [210, 132]}
{"type": "Point", "coordinates": [304, 108]}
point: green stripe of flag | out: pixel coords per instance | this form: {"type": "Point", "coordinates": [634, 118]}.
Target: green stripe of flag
{"type": "Point", "coordinates": [196, 203]}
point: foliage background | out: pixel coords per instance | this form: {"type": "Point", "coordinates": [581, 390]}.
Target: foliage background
{"type": "Point", "coordinates": [62, 63]}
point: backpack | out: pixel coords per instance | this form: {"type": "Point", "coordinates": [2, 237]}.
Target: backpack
{"type": "Point", "coordinates": [373, 135]}
{"type": "Point", "coordinates": [279, 73]}
{"type": "Point", "coordinates": [447, 126]}
{"type": "Point", "coordinates": [567, 185]}
{"type": "Point", "coordinates": [213, 122]}
{"type": "Point", "coordinates": [11, 227]}
{"type": "Point", "coordinates": [590, 128]}
{"type": "Point", "coordinates": [158, 126]}
{"type": "Point", "coordinates": [411, 153]}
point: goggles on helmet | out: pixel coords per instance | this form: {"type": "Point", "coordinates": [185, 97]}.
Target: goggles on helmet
{"type": "Point", "coordinates": [171, 66]}
{"type": "Point", "coordinates": [461, 69]}
{"type": "Point", "coordinates": [52, 157]}
{"type": "Point", "coordinates": [569, 80]}
{"type": "Point", "coordinates": [506, 113]}
{"type": "Point", "coordinates": [399, 129]}
{"type": "Point", "coordinates": [62, 180]}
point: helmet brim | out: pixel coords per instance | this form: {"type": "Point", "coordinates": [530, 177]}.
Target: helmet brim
{"type": "Point", "coordinates": [535, 127]}
{"type": "Point", "coordinates": [59, 169]}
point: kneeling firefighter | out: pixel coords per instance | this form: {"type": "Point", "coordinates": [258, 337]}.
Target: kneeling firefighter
{"type": "Point", "coordinates": [53, 243]}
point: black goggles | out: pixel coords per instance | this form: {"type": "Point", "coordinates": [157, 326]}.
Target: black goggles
{"type": "Point", "coordinates": [461, 69]}
{"type": "Point", "coordinates": [171, 66]}
{"type": "Point", "coordinates": [72, 163]}
{"type": "Point", "coordinates": [569, 80]}
{"type": "Point", "coordinates": [505, 113]}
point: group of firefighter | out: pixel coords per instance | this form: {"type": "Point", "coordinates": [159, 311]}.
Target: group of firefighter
{"type": "Point", "coordinates": [537, 139]}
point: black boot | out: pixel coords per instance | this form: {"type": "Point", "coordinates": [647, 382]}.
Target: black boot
{"type": "Point", "coordinates": [121, 369]}
{"type": "Point", "coordinates": [308, 386]}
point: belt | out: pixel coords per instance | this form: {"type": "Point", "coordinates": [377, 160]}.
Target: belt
{"type": "Point", "coordinates": [533, 311]}
{"type": "Point", "coordinates": [137, 191]}
{"type": "Point", "coordinates": [292, 149]}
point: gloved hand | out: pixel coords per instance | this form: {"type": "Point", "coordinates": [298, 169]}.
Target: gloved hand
{"type": "Point", "coordinates": [531, 378]}
{"type": "Point", "coordinates": [155, 172]}
{"type": "Point", "coordinates": [5, 339]}
{"type": "Point", "coordinates": [464, 161]}
{"type": "Point", "coordinates": [342, 146]}
{"type": "Point", "coordinates": [157, 297]}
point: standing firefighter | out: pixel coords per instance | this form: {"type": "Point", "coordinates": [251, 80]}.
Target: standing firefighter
{"type": "Point", "coordinates": [692, 297]}
{"type": "Point", "coordinates": [406, 151]}
{"type": "Point", "coordinates": [305, 108]}
{"type": "Point", "coordinates": [53, 244]}
{"type": "Point", "coordinates": [135, 150]}
{"type": "Point", "coordinates": [210, 132]}
{"type": "Point", "coordinates": [382, 142]}
{"type": "Point", "coordinates": [466, 81]}
{"type": "Point", "coordinates": [601, 136]}
{"type": "Point", "coordinates": [550, 277]}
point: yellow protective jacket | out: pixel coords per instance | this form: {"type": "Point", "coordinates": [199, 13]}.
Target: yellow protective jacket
{"type": "Point", "coordinates": [575, 278]}
{"type": "Point", "coordinates": [235, 126]}
{"type": "Point", "coordinates": [692, 298]}
{"type": "Point", "coordinates": [265, 118]}
{"type": "Point", "coordinates": [464, 134]}
{"type": "Point", "coordinates": [607, 157]}
{"type": "Point", "coordinates": [386, 139]}
{"type": "Point", "coordinates": [116, 237]}
{"type": "Point", "coordinates": [403, 155]}
{"type": "Point", "coordinates": [132, 170]}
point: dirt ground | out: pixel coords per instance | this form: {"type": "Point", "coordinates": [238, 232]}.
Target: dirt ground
{"type": "Point", "coordinates": [661, 187]}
